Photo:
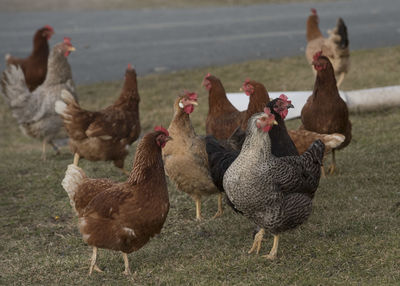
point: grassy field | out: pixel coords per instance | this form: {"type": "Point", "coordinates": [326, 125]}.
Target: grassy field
{"type": "Point", "coordinates": [351, 238]}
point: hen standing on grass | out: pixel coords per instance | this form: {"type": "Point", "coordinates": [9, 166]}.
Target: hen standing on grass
{"type": "Point", "coordinates": [335, 47]}
{"type": "Point", "coordinates": [325, 112]}
{"type": "Point", "coordinates": [34, 67]}
{"type": "Point", "coordinates": [185, 157]}
{"type": "Point", "coordinates": [275, 193]}
{"type": "Point", "coordinates": [105, 134]}
{"type": "Point", "coordinates": [122, 216]}
{"type": "Point", "coordinates": [35, 111]}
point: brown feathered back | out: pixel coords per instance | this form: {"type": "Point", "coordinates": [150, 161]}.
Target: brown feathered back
{"type": "Point", "coordinates": [223, 118]}
{"type": "Point", "coordinates": [257, 102]}
{"type": "Point", "coordinates": [35, 66]}
{"type": "Point", "coordinates": [325, 112]}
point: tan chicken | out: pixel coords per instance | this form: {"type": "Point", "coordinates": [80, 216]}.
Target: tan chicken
{"type": "Point", "coordinates": [185, 157]}
{"type": "Point", "coordinates": [122, 216]}
{"type": "Point", "coordinates": [335, 47]}
{"type": "Point", "coordinates": [105, 134]}
{"type": "Point", "coordinates": [34, 111]}
{"type": "Point", "coordinates": [325, 112]}
{"type": "Point", "coordinates": [35, 66]}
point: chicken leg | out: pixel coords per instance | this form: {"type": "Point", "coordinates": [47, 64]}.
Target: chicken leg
{"type": "Point", "coordinates": [93, 265]}
{"type": "Point", "coordinates": [258, 238]}
{"type": "Point", "coordinates": [332, 167]}
{"type": "Point", "coordinates": [76, 159]}
{"type": "Point", "coordinates": [125, 171]}
{"type": "Point", "coordinates": [44, 150]}
{"type": "Point", "coordinates": [197, 200]}
{"type": "Point", "coordinates": [220, 209]}
{"type": "Point", "coordinates": [274, 250]}
{"type": "Point", "coordinates": [126, 262]}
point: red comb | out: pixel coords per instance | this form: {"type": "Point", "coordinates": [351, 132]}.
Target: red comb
{"type": "Point", "coordinates": [317, 55]}
{"type": "Point", "coordinates": [67, 40]}
{"type": "Point", "coordinates": [48, 27]}
{"type": "Point", "coordinates": [247, 81]}
{"type": "Point", "coordinates": [191, 95]}
{"type": "Point", "coordinates": [313, 11]}
{"type": "Point", "coordinates": [207, 75]}
{"type": "Point", "coordinates": [162, 129]}
{"type": "Point", "coordinates": [283, 97]}
{"type": "Point", "coordinates": [129, 66]}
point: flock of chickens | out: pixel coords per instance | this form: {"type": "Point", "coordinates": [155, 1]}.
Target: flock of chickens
{"type": "Point", "coordinates": [268, 174]}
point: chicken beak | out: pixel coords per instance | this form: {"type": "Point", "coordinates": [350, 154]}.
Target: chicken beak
{"type": "Point", "coordinates": [290, 105]}
{"type": "Point", "coordinates": [241, 89]}
{"type": "Point", "coordinates": [71, 49]}
{"type": "Point", "coordinates": [275, 122]}
{"type": "Point", "coordinates": [193, 102]}
{"type": "Point", "coordinates": [168, 138]}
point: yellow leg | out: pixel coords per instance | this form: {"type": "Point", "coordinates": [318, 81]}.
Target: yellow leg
{"type": "Point", "coordinates": [126, 262]}
{"type": "Point", "coordinates": [220, 209]}
{"type": "Point", "coordinates": [197, 200]}
{"type": "Point", "coordinates": [257, 241]}
{"type": "Point", "coordinates": [93, 265]}
{"type": "Point", "coordinates": [274, 250]}
{"type": "Point", "coordinates": [332, 168]}
{"type": "Point", "coordinates": [323, 172]}
{"type": "Point", "coordinates": [76, 159]}
{"type": "Point", "coordinates": [44, 150]}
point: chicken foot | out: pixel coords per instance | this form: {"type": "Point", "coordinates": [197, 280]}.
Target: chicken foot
{"type": "Point", "coordinates": [220, 209]}
{"type": "Point", "coordinates": [274, 250]}
{"type": "Point", "coordinates": [258, 238]}
{"type": "Point", "coordinates": [126, 263]}
{"type": "Point", "coordinates": [93, 265]}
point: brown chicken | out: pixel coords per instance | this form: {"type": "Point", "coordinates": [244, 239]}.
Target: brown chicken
{"type": "Point", "coordinates": [325, 112]}
{"type": "Point", "coordinates": [105, 134]}
{"type": "Point", "coordinates": [35, 66]}
{"type": "Point", "coordinates": [185, 157]}
{"type": "Point", "coordinates": [335, 47]}
{"type": "Point", "coordinates": [122, 216]}
{"type": "Point", "coordinates": [223, 118]}
{"type": "Point", "coordinates": [35, 111]}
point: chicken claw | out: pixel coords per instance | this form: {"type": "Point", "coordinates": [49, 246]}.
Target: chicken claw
{"type": "Point", "coordinates": [93, 265]}
{"type": "Point", "coordinates": [257, 241]}
{"type": "Point", "coordinates": [274, 250]}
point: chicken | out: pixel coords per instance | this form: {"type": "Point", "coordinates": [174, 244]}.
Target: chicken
{"type": "Point", "coordinates": [35, 111]}
{"type": "Point", "coordinates": [223, 118]}
{"type": "Point", "coordinates": [34, 67]}
{"type": "Point", "coordinates": [335, 47]}
{"type": "Point", "coordinates": [274, 192]}
{"type": "Point", "coordinates": [105, 134]}
{"type": "Point", "coordinates": [185, 157]}
{"type": "Point", "coordinates": [325, 112]}
{"type": "Point", "coordinates": [122, 216]}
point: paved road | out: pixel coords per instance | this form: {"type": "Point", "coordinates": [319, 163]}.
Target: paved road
{"type": "Point", "coordinates": [165, 40]}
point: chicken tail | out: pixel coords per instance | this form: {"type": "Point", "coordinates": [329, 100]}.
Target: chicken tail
{"type": "Point", "coordinates": [61, 106]}
{"type": "Point", "coordinates": [16, 92]}
{"type": "Point", "coordinates": [73, 178]}
{"type": "Point", "coordinates": [339, 35]}
{"type": "Point", "coordinates": [333, 140]}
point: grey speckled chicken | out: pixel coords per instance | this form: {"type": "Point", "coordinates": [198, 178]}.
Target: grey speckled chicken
{"type": "Point", "coordinates": [275, 193]}
{"type": "Point", "coordinates": [34, 111]}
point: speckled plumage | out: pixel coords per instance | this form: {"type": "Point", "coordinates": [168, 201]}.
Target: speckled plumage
{"type": "Point", "coordinates": [275, 193]}
{"type": "Point", "coordinates": [35, 110]}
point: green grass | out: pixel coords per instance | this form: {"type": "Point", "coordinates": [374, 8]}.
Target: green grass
{"type": "Point", "coordinates": [351, 238]}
